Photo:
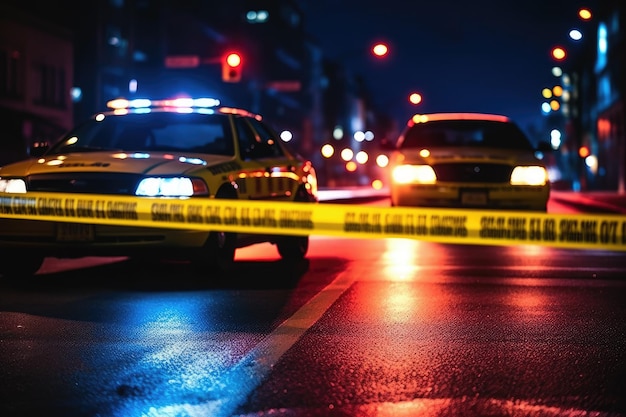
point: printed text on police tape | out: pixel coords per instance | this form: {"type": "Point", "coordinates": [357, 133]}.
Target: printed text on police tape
{"type": "Point", "coordinates": [160, 212]}
{"type": "Point", "coordinates": [516, 228]}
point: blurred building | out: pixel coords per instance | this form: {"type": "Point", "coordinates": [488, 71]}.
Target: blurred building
{"type": "Point", "coordinates": [36, 73]}
{"type": "Point", "coordinates": [594, 147]}
{"type": "Point", "coordinates": [162, 48]}
{"type": "Point", "coordinates": [153, 48]}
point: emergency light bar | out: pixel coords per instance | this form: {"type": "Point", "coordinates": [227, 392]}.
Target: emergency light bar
{"type": "Point", "coordinates": [183, 102]}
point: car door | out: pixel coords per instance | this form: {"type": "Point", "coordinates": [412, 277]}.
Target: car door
{"type": "Point", "coordinates": [269, 172]}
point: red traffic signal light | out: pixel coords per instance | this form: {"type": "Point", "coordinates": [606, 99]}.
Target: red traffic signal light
{"type": "Point", "coordinates": [231, 67]}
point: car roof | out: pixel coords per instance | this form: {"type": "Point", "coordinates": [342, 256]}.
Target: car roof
{"type": "Point", "coordinates": [430, 117]}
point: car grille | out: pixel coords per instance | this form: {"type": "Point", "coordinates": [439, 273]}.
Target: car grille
{"type": "Point", "coordinates": [473, 172]}
{"type": "Point", "coordinates": [88, 183]}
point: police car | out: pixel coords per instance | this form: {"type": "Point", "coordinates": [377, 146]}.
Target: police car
{"type": "Point", "coordinates": [187, 148]}
{"type": "Point", "coordinates": [467, 160]}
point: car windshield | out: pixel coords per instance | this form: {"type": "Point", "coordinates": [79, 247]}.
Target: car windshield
{"type": "Point", "coordinates": [156, 131]}
{"type": "Point", "coordinates": [465, 133]}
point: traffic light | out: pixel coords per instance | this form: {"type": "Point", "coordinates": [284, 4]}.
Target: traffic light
{"type": "Point", "coordinates": [231, 67]}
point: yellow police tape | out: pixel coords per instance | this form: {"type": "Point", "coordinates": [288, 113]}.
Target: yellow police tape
{"type": "Point", "coordinates": [585, 231]}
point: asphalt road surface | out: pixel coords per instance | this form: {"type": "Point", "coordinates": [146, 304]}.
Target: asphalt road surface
{"type": "Point", "coordinates": [363, 327]}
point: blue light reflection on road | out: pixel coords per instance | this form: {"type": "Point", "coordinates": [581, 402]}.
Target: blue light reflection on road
{"type": "Point", "coordinates": [183, 351]}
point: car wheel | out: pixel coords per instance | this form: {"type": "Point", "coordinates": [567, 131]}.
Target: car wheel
{"type": "Point", "coordinates": [20, 266]}
{"type": "Point", "coordinates": [218, 253]}
{"type": "Point", "coordinates": [293, 248]}
{"type": "Point", "coordinates": [222, 246]}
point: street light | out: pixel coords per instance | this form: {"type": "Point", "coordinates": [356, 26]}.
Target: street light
{"type": "Point", "coordinates": [415, 98]}
{"type": "Point", "coordinates": [558, 53]}
{"type": "Point", "coordinates": [350, 128]}
{"type": "Point", "coordinates": [584, 14]}
{"type": "Point", "coordinates": [380, 49]}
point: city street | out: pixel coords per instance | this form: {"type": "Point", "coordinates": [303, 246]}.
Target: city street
{"type": "Point", "coordinates": [312, 209]}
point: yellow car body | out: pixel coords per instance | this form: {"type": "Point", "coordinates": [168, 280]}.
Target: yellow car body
{"type": "Point", "coordinates": [467, 160]}
{"type": "Point", "coordinates": [169, 149]}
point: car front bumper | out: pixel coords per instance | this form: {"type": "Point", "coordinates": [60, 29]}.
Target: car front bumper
{"type": "Point", "coordinates": [474, 196]}
{"type": "Point", "coordinates": [76, 240]}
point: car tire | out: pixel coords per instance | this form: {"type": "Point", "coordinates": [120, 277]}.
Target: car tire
{"type": "Point", "coordinates": [25, 268]}
{"type": "Point", "coordinates": [293, 248]}
{"type": "Point", "coordinates": [218, 253]}
{"type": "Point", "coordinates": [222, 246]}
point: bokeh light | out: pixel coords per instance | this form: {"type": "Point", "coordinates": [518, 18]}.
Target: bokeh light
{"type": "Point", "coordinates": [338, 132]}
{"type": "Point", "coordinates": [382, 160]}
{"type": "Point", "coordinates": [415, 98]}
{"type": "Point", "coordinates": [347, 154]}
{"type": "Point", "coordinates": [286, 135]}
{"type": "Point", "coordinates": [555, 105]}
{"type": "Point", "coordinates": [327, 150]}
{"type": "Point", "coordinates": [555, 138]}
{"type": "Point", "coordinates": [575, 35]}
{"type": "Point", "coordinates": [583, 151]}
{"type": "Point", "coordinates": [380, 49]}
{"type": "Point", "coordinates": [361, 157]}
{"type": "Point", "coordinates": [558, 53]}
{"type": "Point", "coordinates": [359, 136]}
{"type": "Point", "coordinates": [584, 14]}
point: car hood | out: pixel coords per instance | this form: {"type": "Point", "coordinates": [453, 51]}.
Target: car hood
{"type": "Point", "coordinates": [153, 163]}
{"type": "Point", "coordinates": [469, 154]}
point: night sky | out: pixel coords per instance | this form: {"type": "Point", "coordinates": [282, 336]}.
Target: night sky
{"type": "Point", "coordinates": [481, 55]}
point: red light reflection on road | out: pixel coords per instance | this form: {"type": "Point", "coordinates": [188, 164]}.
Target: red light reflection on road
{"type": "Point", "coordinates": [398, 306]}
{"type": "Point", "coordinates": [401, 258]}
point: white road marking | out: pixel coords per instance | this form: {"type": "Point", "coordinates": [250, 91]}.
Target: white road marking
{"type": "Point", "coordinates": [242, 379]}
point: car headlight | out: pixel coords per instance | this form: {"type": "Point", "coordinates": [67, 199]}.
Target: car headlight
{"type": "Point", "coordinates": [171, 187]}
{"type": "Point", "coordinates": [408, 174]}
{"type": "Point", "coordinates": [529, 175]}
{"type": "Point", "coordinates": [12, 185]}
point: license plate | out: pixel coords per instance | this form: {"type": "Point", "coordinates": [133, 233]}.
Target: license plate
{"type": "Point", "coordinates": [474, 198]}
{"type": "Point", "coordinates": [75, 232]}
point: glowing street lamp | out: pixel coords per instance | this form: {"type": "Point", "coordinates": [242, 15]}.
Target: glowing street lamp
{"type": "Point", "coordinates": [380, 50]}
{"type": "Point", "coordinates": [575, 34]}
{"type": "Point", "coordinates": [558, 53]}
{"type": "Point", "coordinates": [327, 150]}
{"type": "Point", "coordinates": [415, 98]}
{"type": "Point", "coordinates": [584, 14]}
{"type": "Point", "coordinates": [546, 93]}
